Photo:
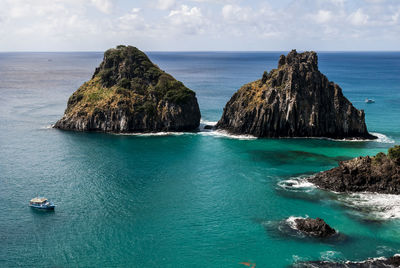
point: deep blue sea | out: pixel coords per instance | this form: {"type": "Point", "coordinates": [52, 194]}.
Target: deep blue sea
{"type": "Point", "coordinates": [192, 200]}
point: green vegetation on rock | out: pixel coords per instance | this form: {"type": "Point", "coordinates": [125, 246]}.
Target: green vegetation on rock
{"type": "Point", "coordinates": [394, 153]}
{"type": "Point", "coordinates": [128, 86]}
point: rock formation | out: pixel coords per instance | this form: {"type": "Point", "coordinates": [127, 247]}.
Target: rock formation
{"type": "Point", "coordinates": [369, 263]}
{"type": "Point", "coordinates": [314, 227]}
{"type": "Point", "coordinates": [380, 173]}
{"type": "Point", "coordinates": [294, 100]}
{"type": "Point", "coordinates": [128, 93]}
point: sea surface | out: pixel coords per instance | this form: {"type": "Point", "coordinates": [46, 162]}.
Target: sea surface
{"type": "Point", "coordinates": [201, 199]}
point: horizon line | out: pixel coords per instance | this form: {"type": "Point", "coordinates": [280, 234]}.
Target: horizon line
{"type": "Point", "coordinates": [189, 51]}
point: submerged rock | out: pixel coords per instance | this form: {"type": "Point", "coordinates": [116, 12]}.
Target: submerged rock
{"type": "Point", "coordinates": [380, 174]}
{"type": "Point", "coordinates": [314, 227]}
{"type": "Point", "coordinates": [294, 100]}
{"type": "Point", "coordinates": [370, 263]}
{"type": "Point", "coordinates": [128, 93]}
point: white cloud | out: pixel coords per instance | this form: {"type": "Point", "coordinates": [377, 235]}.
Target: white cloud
{"type": "Point", "coordinates": [165, 4]}
{"type": "Point", "coordinates": [131, 21]}
{"type": "Point", "coordinates": [236, 13]}
{"type": "Point", "coordinates": [189, 20]}
{"type": "Point", "coordinates": [104, 6]}
{"type": "Point", "coordinates": [323, 16]}
{"type": "Point", "coordinates": [358, 18]}
{"type": "Point", "coordinates": [375, 1]}
{"type": "Point", "coordinates": [221, 24]}
{"type": "Point", "coordinates": [338, 2]}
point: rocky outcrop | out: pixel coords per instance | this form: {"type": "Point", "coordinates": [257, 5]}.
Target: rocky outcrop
{"type": "Point", "coordinates": [369, 263]}
{"type": "Point", "coordinates": [128, 93]}
{"type": "Point", "coordinates": [314, 227]}
{"type": "Point", "coordinates": [294, 100]}
{"type": "Point", "coordinates": [380, 174]}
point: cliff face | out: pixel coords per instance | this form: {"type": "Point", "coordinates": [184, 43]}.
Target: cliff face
{"type": "Point", "coordinates": [294, 100]}
{"type": "Point", "coordinates": [380, 174]}
{"type": "Point", "coordinates": [128, 93]}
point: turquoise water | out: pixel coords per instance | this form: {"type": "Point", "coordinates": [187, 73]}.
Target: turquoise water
{"type": "Point", "coordinates": [191, 200]}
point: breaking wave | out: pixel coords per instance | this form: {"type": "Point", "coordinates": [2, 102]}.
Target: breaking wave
{"type": "Point", "coordinates": [373, 205]}
{"type": "Point", "coordinates": [382, 138]}
{"type": "Point", "coordinates": [225, 134]}
{"type": "Point", "coordinates": [297, 184]}
{"type": "Point", "coordinates": [291, 221]}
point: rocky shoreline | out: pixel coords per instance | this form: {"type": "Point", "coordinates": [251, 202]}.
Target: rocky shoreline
{"type": "Point", "coordinates": [381, 262]}
{"type": "Point", "coordinates": [379, 174]}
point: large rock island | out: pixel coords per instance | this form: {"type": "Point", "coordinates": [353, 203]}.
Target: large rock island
{"type": "Point", "coordinates": [128, 93]}
{"type": "Point", "coordinates": [380, 173]}
{"type": "Point", "coordinates": [294, 100]}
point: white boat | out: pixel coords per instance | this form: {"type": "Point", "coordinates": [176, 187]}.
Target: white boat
{"type": "Point", "coordinates": [369, 100]}
{"type": "Point", "coordinates": [41, 203]}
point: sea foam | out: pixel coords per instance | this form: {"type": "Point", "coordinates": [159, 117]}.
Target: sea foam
{"type": "Point", "coordinates": [371, 205]}
{"type": "Point", "coordinates": [291, 221]}
{"type": "Point", "coordinates": [297, 183]}
{"type": "Point", "coordinates": [379, 206]}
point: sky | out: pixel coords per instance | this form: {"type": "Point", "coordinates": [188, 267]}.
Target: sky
{"type": "Point", "coordinates": [200, 25]}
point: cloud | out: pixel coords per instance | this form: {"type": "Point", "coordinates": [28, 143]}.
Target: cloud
{"type": "Point", "coordinates": [165, 4]}
{"type": "Point", "coordinates": [104, 6]}
{"type": "Point", "coordinates": [221, 24]}
{"type": "Point", "coordinates": [131, 21]}
{"type": "Point", "coordinates": [189, 20]}
{"type": "Point", "coordinates": [236, 13]}
{"type": "Point", "coordinates": [358, 18]}
{"type": "Point", "coordinates": [323, 16]}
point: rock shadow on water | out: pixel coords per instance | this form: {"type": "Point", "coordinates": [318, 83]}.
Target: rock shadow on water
{"type": "Point", "coordinates": [287, 229]}
{"type": "Point", "coordinates": [278, 158]}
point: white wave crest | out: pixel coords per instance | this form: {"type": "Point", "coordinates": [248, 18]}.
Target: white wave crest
{"type": "Point", "coordinates": [47, 126]}
{"type": "Point", "coordinates": [331, 256]}
{"type": "Point", "coordinates": [291, 221]}
{"type": "Point", "coordinates": [382, 138]}
{"type": "Point", "coordinates": [211, 133]}
{"type": "Point", "coordinates": [225, 134]}
{"type": "Point", "coordinates": [155, 134]}
{"type": "Point", "coordinates": [297, 183]}
{"type": "Point", "coordinates": [379, 206]}
{"type": "Point", "coordinates": [205, 122]}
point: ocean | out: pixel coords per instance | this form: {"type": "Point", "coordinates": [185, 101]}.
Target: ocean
{"type": "Point", "coordinates": [203, 199]}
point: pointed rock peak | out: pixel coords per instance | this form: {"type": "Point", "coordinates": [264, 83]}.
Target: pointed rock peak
{"type": "Point", "coordinates": [126, 62]}
{"type": "Point", "coordinates": [294, 100]}
{"type": "Point", "coordinates": [307, 58]}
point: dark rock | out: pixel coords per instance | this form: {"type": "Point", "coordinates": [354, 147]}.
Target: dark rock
{"type": "Point", "coordinates": [294, 100]}
{"type": "Point", "coordinates": [208, 127]}
{"type": "Point", "coordinates": [380, 174]}
{"type": "Point", "coordinates": [314, 227]}
{"type": "Point", "coordinates": [369, 263]}
{"type": "Point", "coordinates": [128, 93]}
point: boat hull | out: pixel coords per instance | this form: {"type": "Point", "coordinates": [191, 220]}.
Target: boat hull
{"type": "Point", "coordinates": [43, 207]}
